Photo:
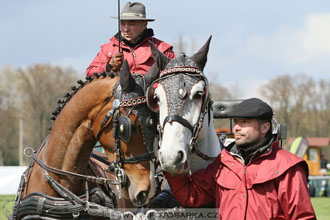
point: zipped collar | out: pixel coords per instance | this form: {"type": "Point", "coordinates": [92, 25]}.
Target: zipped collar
{"type": "Point", "coordinates": [247, 156]}
{"type": "Point", "coordinates": [148, 32]}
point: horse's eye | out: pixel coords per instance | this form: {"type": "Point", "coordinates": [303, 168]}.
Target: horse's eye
{"type": "Point", "coordinates": [155, 97]}
{"type": "Point", "coordinates": [198, 95]}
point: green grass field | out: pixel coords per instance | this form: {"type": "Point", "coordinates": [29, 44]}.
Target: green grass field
{"type": "Point", "coordinates": [321, 206]}
{"type": "Point", "coordinates": [6, 205]}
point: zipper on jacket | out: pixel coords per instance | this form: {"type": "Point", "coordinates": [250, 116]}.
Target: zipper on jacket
{"type": "Point", "coordinates": [133, 53]}
{"type": "Point", "coordinates": [246, 193]}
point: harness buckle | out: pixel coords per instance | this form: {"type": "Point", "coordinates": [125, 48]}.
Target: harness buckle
{"type": "Point", "coordinates": [192, 145]}
{"type": "Point", "coordinates": [75, 215]}
{"type": "Point", "coordinates": [120, 175]}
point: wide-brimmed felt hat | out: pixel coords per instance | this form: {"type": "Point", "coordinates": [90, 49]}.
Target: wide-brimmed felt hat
{"type": "Point", "coordinates": [133, 11]}
{"type": "Point", "coordinates": [252, 108]}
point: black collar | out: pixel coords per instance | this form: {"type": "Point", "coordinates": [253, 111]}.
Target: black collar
{"type": "Point", "coordinates": [145, 34]}
{"type": "Point", "coordinates": [251, 153]}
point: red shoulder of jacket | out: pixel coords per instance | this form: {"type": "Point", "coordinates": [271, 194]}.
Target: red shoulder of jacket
{"type": "Point", "coordinates": [273, 165]}
{"type": "Point", "coordinates": [161, 45]}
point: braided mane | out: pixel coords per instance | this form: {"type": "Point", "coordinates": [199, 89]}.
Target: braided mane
{"type": "Point", "coordinates": [62, 102]}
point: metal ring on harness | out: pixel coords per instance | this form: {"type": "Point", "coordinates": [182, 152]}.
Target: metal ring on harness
{"type": "Point", "coordinates": [120, 175]}
{"type": "Point", "coordinates": [28, 152]}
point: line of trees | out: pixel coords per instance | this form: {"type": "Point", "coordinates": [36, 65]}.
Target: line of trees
{"type": "Point", "coordinates": [300, 102]}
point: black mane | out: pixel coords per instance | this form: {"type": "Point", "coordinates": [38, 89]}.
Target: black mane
{"type": "Point", "coordinates": [62, 102]}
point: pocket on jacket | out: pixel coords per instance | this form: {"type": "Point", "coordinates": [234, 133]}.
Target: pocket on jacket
{"type": "Point", "coordinates": [228, 179]}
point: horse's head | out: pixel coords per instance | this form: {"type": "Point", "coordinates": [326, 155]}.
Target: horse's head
{"type": "Point", "coordinates": [129, 140]}
{"type": "Point", "coordinates": [180, 93]}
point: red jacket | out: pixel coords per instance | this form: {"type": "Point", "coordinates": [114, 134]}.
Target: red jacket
{"type": "Point", "coordinates": [139, 58]}
{"type": "Point", "coordinates": [273, 186]}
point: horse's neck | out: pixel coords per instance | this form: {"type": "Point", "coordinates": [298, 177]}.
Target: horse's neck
{"type": "Point", "coordinates": [207, 143]}
{"type": "Point", "coordinates": [71, 140]}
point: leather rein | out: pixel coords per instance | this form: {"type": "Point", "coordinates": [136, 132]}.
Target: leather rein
{"type": "Point", "coordinates": [89, 178]}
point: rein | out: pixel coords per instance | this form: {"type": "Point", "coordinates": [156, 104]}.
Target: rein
{"type": "Point", "coordinates": [41, 206]}
{"type": "Point", "coordinates": [99, 180]}
{"type": "Point", "coordinates": [89, 178]}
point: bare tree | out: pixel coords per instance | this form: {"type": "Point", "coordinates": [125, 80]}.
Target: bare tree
{"type": "Point", "coordinates": [219, 92]}
{"type": "Point", "coordinates": [40, 87]}
{"type": "Point", "coordinates": [185, 45]}
{"type": "Point", "coordinates": [302, 92]}
{"type": "Point", "coordinates": [301, 103]}
{"type": "Point", "coordinates": [32, 93]}
{"type": "Point", "coordinates": [323, 107]}
{"type": "Point", "coordinates": [9, 122]}
{"type": "Point", "coordinates": [278, 93]}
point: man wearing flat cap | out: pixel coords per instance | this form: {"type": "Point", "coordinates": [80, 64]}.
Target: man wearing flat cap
{"type": "Point", "coordinates": [133, 40]}
{"type": "Point", "coordinates": [252, 178]}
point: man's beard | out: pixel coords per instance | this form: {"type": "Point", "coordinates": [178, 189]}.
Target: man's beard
{"type": "Point", "coordinates": [251, 144]}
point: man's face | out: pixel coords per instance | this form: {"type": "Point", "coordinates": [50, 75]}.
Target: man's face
{"type": "Point", "coordinates": [249, 132]}
{"type": "Point", "coordinates": [131, 29]}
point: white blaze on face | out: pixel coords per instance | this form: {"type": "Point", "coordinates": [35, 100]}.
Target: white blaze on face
{"type": "Point", "coordinates": [173, 151]}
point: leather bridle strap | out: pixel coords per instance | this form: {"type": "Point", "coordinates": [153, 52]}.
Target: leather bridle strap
{"type": "Point", "coordinates": [115, 106]}
{"type": "Point", "coordinates": [137, 158]}
{"type": "Point", "coordinates": [64, 192]}
{"type": "Point", "coordinates": [99, 180]}
{"type": "Point", "coordinates": [179, 119]}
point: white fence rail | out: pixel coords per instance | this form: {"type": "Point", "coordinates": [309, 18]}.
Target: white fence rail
{"type": "Point", "coordinates": [10, 177]}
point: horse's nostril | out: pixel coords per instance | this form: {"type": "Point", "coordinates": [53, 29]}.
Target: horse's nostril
{"type": "Point", "coordinates": [142, 196]}
{"type": "Point", "coordinates": [180, 157]}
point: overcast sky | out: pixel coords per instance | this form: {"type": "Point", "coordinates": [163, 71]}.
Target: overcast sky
{"type": "Point", "coordinates": [253, 40]}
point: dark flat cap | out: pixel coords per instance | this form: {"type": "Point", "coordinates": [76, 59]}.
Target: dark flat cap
{"type": "Point", "coordinates": [252, 108]}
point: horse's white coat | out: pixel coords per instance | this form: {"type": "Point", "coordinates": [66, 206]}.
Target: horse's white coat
{"type": "Point", "coordinates": [176, 137]}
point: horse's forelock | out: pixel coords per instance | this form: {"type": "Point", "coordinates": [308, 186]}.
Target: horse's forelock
{"type": "Point", "coordinates": [178, 62]}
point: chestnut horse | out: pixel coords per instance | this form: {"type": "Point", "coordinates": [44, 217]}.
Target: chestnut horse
{"type": "Point", "coordinates": [61, 168]}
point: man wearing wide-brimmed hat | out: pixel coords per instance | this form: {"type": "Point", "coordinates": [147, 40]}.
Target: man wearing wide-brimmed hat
{"type": "Point", "coordinates": [133, 44]}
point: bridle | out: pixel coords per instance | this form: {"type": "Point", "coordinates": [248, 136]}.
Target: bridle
{"type": "Point", "coordinates": [122, 124]}
{"type": "Point", "coordinates": [193, 72]}
{"type": "Point", "coordinates": [122, 129]}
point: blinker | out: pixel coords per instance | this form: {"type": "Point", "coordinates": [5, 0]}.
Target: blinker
{"type": "Point", "coordinates": [182, 89]}
{"type": "Point", "coordinates": [125, 128]}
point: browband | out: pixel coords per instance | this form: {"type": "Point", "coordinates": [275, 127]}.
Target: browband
{"type": "Point", "coordinates": [180, 70]}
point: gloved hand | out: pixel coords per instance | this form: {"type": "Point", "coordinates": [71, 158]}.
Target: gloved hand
{"type": "Point", "coordinates": [116, 61]}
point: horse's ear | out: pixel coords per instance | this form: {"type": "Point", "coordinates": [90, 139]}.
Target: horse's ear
{"type": "Point", "coordinates": [160, 58]}
{"type": "Point", "coordinates": [127, 81]}
{"type": "Point", "coordinates": [200, 57]}
{"type": "Point", "coordinates": [160, 62]}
